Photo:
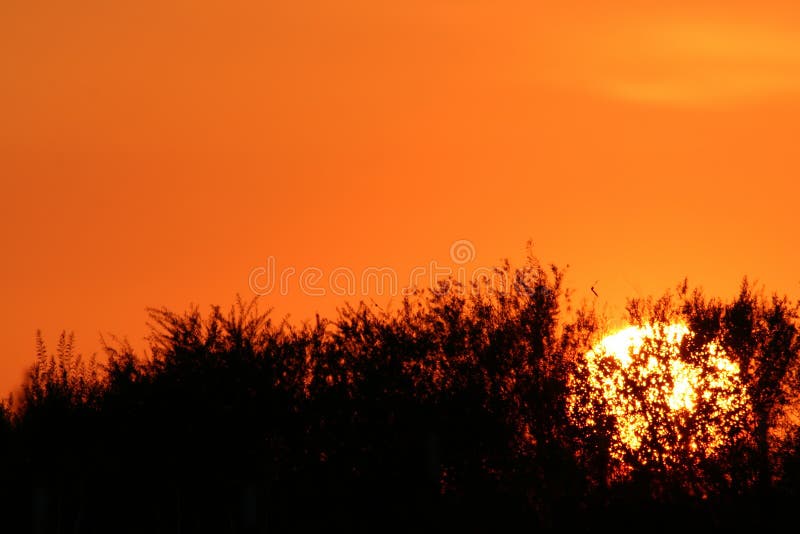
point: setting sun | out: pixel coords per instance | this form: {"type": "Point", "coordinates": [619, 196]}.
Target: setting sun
{"type": "Point", "coordinates": [662, 395]}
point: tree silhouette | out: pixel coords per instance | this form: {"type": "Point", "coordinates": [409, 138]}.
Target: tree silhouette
{"type": "Point", "coordinates": [470, 407]}
{"type": "Point", "coordinates": [739, 359]}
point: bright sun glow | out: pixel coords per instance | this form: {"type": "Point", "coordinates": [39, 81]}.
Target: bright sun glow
{"type": "Point", "coordinates": [661, 396]}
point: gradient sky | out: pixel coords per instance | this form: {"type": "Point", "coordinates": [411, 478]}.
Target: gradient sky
{"type": "Point", "coordinates": [155, 152]}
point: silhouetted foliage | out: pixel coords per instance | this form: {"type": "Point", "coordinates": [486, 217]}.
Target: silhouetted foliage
{"type": "Point", "coordinates": [467, 408]}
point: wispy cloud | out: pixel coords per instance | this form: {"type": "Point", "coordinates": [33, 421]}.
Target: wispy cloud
{"type": "Point", "coordinates": [691, 62]}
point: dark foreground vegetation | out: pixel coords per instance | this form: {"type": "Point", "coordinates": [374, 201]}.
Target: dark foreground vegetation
{"type": "Point", "coordinates": [447, 414]}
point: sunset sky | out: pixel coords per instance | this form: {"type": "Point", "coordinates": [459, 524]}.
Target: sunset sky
{"type": "Point", "coordinates": [156, 152]}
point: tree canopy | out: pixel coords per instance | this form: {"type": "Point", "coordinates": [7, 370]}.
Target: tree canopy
{"type": "Point", "coordinates": [469, 406]}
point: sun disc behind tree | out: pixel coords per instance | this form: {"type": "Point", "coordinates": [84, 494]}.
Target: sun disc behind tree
{"type": "Point", "coordinates": [658, 400]}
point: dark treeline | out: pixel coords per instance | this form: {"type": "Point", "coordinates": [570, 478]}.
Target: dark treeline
{"type": "Point", "coordinates": [447, 413]}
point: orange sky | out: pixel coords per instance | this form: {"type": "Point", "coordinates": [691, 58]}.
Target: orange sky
{"type": "Point", "coordinates": [154, 153]}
